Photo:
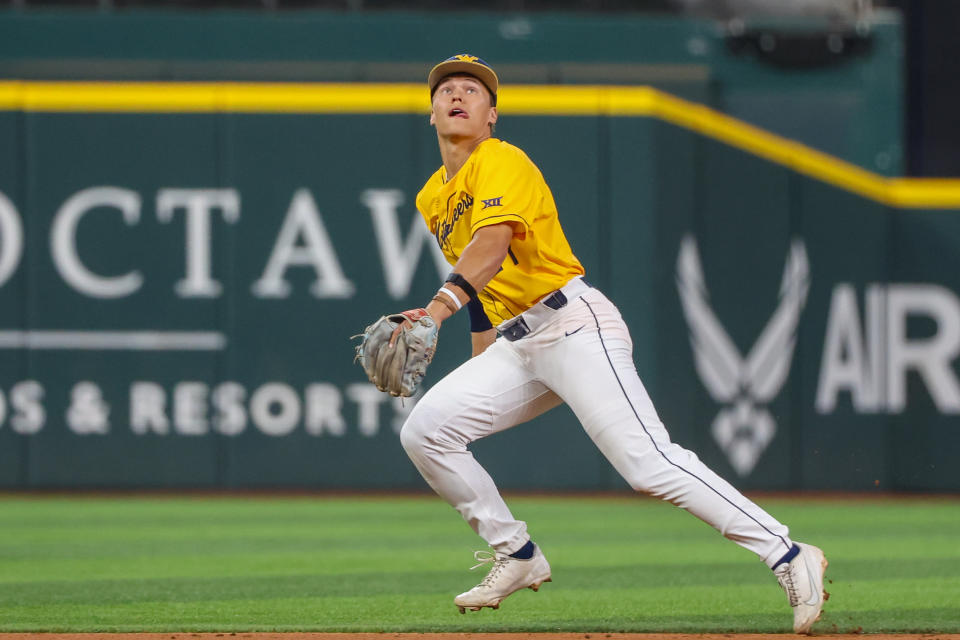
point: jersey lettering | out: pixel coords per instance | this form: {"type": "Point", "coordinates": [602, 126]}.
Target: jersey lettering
{"type": "Point", "coordinates": [446, 228]}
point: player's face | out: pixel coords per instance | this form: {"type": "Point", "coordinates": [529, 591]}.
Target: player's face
{"type": "Point", "coordinates": [462, 109]}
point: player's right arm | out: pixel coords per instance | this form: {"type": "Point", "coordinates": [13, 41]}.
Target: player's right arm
{"type": "Point", "coordinates": [479, 262]}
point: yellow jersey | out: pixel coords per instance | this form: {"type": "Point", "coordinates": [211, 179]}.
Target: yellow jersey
{"type": "Point", "coordinates": [500, 184]}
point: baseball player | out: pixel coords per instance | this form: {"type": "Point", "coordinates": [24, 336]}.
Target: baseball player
{"type": "Point", "coordinates": [542, 335]}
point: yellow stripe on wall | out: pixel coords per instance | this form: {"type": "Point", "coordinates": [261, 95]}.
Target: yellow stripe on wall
{"type": "Point", "coordinates": [539, 100]}
{"type": "Point", "coordinates": [206, 97]}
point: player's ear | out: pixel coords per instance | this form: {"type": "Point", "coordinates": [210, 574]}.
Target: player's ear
{"type": "Point", "coordinates": [433, 117]}
{"type": "Point", "coordinates": [492, 119]}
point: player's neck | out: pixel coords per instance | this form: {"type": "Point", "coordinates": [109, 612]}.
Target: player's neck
{"type": "Point", "coordinates": [456, 151]}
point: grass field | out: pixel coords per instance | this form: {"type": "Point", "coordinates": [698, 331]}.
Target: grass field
{"type": "Point", "coordinates": [393, 564]}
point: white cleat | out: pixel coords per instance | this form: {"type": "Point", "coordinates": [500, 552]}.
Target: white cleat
{"type": "Point", "coordinates": [802, 579]}
{"type": "Point", "coordinates": [506, 576]}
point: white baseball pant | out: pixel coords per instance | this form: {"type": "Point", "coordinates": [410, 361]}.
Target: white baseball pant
{"type": "Point", "coordinates": [580, 354]}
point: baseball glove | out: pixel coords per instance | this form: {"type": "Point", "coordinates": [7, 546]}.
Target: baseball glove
{"type": "Point", "coordinates": [398, 369]}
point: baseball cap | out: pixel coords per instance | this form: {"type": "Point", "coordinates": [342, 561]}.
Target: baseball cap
{"type": "Point", "coordinates": [464, 63]}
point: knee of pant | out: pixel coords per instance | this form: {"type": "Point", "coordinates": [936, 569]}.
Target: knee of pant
{"type": "Point", "coordinates": [423, 430]}
{"type": "Point", "coordinates": [412, 435]}
{"type": "Point", "coordinates": [654, 476]}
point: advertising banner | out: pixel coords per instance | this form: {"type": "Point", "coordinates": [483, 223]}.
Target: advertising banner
{"type": "Point", "coordinates": [179, 287]}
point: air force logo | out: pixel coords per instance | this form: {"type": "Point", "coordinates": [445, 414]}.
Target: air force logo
{"type": "Point", "coordinates": [492, 202]}
{"type": "Point", "coordinates": [743, 428]}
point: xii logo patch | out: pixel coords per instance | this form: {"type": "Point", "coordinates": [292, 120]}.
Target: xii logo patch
{"type": "Point", "coordinates": [492, 202]}
{"type": "Point", "coordinates": [744, 427]}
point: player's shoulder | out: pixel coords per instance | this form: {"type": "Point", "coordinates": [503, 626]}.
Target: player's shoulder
{"type": "Point", "coordinates": [434, 180]}
{"type": "Point", "coordinates": [432, 185]}
{"type": "Point", "coordinates": [502, 152]}
{"type": "Point", "coordinates": [501, 148]}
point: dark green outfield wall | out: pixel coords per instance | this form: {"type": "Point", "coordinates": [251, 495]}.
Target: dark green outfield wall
{"type": "Point", "coordinates": [177, 291]}
{"type": "Point", "coordinates": [297, 239]}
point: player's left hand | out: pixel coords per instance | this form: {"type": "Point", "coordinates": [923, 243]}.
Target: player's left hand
{"type": "Point", "coordinates": [395, 350]}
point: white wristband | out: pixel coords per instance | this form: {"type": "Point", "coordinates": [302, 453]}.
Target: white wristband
{"type": "Point", "coordinates": [452, 296]}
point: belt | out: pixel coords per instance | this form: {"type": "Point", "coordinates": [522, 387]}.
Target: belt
{"type": "Point", "coordinates": [534, 317]}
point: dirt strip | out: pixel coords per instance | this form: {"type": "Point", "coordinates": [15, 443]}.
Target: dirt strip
{"type": "Point", "coordinates": [467, 636]}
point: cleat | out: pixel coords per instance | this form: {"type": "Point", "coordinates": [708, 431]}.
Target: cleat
{"type": "Point", "coordinates": [536, 586]}
{"type": "Point", "coordinates": [802, 580]}
{"type": "Point", "coordinates": [462, 609]}
{"type": "Point", "coordinates": [506, 576]}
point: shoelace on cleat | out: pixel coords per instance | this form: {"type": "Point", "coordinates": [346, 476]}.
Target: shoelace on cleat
{"type": "Point", "coordinates": [786, 582]}
{"type": "Point", "coordinates": [486, 557]}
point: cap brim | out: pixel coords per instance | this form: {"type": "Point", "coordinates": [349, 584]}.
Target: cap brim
{"type": "Point", "coordinates": [481, 72]}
